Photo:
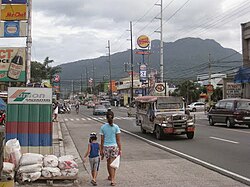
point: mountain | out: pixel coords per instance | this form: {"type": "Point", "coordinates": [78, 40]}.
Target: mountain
{"type": "Point", "coordinates": [183, 59]}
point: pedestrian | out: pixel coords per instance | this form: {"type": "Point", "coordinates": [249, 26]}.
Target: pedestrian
{"type": "Point", "coordinates": [110, 144]}
{"type": "Point", "coordinates": [55, 112]}
{"type": "Point", "coordinates": [94, 157]}
{"type": "Point", "coordinates": [77, 106]}
{"type": "Point", "coordinates": [2, 117]}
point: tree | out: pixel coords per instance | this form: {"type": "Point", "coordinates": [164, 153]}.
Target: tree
{"type": "Point", "coordinates": [189, 90]}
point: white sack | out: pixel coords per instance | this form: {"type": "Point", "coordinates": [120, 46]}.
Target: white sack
{"type": "Point", "coordinates": [31, 158]}
{"type": "Point", "coordinates": [30, 176]}
{"type": "Point", "coordinates": [13, 151]}
{"type": "Point", "coordinates": [8, 167]}
{"type": "Point", "coordinates": [51, 172]}
{"type": "Point", "coordinates": [70, 172]}
{"type": "Point", "coordinates": [30, 168]}
{"type": "Point", "coordinates": [50, 161]}
{"type": "Point", "coordinates": [116, 163]}
{"type": "Point", "coordinates": [67, 162]}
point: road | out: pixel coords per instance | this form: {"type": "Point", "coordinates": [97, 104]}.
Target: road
{"type": "Point", "coordinates": [217, 145]}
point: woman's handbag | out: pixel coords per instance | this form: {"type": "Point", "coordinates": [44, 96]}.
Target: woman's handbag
{"type": "Point", "coordinates": [115, 164]}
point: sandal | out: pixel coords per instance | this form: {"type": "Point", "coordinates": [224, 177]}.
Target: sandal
{"type": "Point", "coordinates": [112, 183]}
{"type": "Point", "coordinates": [93, 182]}
{"type": "Point", "coordinates": [109, 178]}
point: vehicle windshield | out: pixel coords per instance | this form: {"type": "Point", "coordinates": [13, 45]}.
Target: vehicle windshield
{"type": "Point", "coordinates": [169, 106]}
{"type": "Point", "coordinates": [100, 107]}
{"type": "Point", "coordinates": [243, 105]}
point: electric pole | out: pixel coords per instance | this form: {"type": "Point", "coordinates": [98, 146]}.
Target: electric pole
{"type": "Point", "coordinates": [161, 44]}
{"type": "Point", "coordinates": [28, 44]}
{"type": "Point", "coordinates": [93, 84]}
{"type": "Point", "coordinates": [81, 84]}
{"type": "Point", "coordinates": [86, 69]}
{"type": "Point", "coordinates": [132, 63]}
{"type": "Point", "coordinates": [209, 80]}
{"type": "Point", "coordinates": [110, 77]}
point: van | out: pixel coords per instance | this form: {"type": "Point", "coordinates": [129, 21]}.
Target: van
{"type": "Point", "coordinates": [230, 112]}
{"type": "Point", "coordinates": [163, 115]}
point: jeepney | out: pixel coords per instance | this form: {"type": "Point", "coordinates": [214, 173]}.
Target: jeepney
{"type": "Point", "coordinates": [164, 115]}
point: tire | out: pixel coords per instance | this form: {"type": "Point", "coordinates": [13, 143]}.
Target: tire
{"type": "Point", "coordinates": [190, 135]}
{"type": "Point", "coordinates": [211, 121]}
{"type": "Point", "coordinates": [143, 130]}
{"type": "Point", "coordinates": [194, 110]}
{"type": "Point", "coordinates": [158, 133]}
{"type": "Point", "coordinates": [249, 126]}
{"type": "Point", "coordinates": [229, 123]}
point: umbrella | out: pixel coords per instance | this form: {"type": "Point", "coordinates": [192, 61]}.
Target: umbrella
{"type": "Point", "coordinates": [2, 104]}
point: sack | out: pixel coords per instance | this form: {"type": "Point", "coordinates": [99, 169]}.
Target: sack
{"type": "Point", "coordinates": [31, 158]}
{"type": "Point", "coordinates": [50, 161]}
{"type": "Point", "coordinates": [115, 164]}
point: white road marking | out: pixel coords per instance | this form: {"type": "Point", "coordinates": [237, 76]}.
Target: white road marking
{"type": "Point", "coordinates": [83, 119]}
{"type": "Point", "coordinates": [224, 140]}
{"type": "Point", "coordinates": [117, 118]}
{"type": "Point", "coordinates": [71, 119]}
{"type": "Point", "coordinates": [66, 119]}
{"type": "Point", "coordinates": [89, 119]}
{"type": "Point", "coordinates": [77, 119]}
{"type": "Point", "coordinates": [100, 118]}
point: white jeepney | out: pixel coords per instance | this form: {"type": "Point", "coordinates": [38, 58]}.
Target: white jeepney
{"type": "Point", "coordinates": [164, 115]}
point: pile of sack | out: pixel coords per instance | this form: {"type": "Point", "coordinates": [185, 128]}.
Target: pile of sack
{"type": "Point", "coordinates": [32, 166]}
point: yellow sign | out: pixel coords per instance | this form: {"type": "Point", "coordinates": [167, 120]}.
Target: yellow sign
{"type": "Point", "coordinates": [143, 41]}
{"type": "Point", "coordinates": [13, 12]}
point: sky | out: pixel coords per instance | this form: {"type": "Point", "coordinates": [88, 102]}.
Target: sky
{"type": "Point", "coordinates": [67, 31]}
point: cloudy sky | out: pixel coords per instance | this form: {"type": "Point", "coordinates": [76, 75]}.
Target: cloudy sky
{"type": "Point", "coordinates": [67, 31]}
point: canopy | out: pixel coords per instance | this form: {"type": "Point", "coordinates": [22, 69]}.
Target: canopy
{"type": "Point", "coordinates": [2, 104]}
{"type": "Point", "coordinates": [243, 75]}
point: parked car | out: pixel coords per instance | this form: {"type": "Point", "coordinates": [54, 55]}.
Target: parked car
{"type": "Point", "coordinates": [230, 111]}
{"type": "Point", "coordinates": [100, 110]}
{"type": "Point", "coordinates": [196, 106]}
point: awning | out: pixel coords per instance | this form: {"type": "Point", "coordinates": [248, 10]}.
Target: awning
{"type": "Point", "coordinates": [243, 75]}
{"type": "Point", "coordinates": [2, 104]}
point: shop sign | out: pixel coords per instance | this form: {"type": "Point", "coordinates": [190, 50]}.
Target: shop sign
{"type": "Point", "coordinates": [13, 12]}
{"type": "Point", "coordinates": [233, 90]}
{"type": "Point", "coordinates": [160, 88]}
{"type": "Point", "coordinates": [143, 41]}
{"type": "Point", "coordinates": [14, 1]}
{"type": "Point", "coordinates": [27, 95]}
{"type": "Point", "coordinates": [13, 29]}
{"type": "Point", "coordinates": [12, 64]}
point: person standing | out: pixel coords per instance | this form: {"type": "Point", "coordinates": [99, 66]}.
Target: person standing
{"type": "Point", "coordinates": [55, 112]}
{"type": "Point", "coordinates": [110, 144]}
{"type": "Point", "coordinates": [94, 158]}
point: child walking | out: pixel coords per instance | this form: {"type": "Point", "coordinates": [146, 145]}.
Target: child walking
{"type": "Point", "coordinates": [94, 158]}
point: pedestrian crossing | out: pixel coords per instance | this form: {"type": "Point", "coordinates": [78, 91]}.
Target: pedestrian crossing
{"type": "Point", "coordinates": [97, 118]}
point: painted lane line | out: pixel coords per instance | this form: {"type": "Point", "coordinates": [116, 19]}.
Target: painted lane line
{"type": "Point", "coordinates": [71, 119]}
{"type": "Point", "coordinates": [83, 119]}
{"type": "Point", "coordinates": [89, 119]}
{"type": "Point", "coordinates": [77, 119]}
{"type": "Point", "coordinates": [224, 140]}
{"type": "Point", "coordinates": [66, 119]}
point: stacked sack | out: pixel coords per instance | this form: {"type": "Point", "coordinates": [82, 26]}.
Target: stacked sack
{"type": "Point", "coordinates": [30, 167]}
{"type": "Point", "coordinates": [50, 169]}
{"type": "Point", "coordinates": [13, 151]}
{"type": "Point", "coordinates": [68, 166]}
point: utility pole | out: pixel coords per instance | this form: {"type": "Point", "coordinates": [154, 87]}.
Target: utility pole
{"type": "Point", "coordinates": [209, 79]}
{"type": "Point", "coordinates": [93, 84]}
{"type": "Point", "coordinates": [132, 63]}
{"type": "Point", "coordinates": [161, 45]}
{"type": "Point", "coordinates": [81, 84]}
{"type": "Point", "coordinates": [86, 69]}
{"type": "Point", "coordinates": [110, 77]}
{"type": "Point", "coordinates": [28, 44]}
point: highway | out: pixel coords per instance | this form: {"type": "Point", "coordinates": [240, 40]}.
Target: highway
{"type": "Point", "coordinates": [217, 145]}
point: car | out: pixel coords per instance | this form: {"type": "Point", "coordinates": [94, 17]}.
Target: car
{"type": "Point", "coordinates": [90, 104]}
{"type": "Point", "coordinates": [100, 110]}
{"type": "Point", "coordinates": [196, 106]}
{"type": "Point", "coordinates": [230, 112]}
{"type": "Point", "coordinates": [106, 104]}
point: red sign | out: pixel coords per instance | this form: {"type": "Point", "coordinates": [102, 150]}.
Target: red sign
{"type": "Point", "coordinates": [210, 88]}
{"type": "Point", "coordinates": [143, 41]}
{"type": "Point", "coordinates": [142, 52]}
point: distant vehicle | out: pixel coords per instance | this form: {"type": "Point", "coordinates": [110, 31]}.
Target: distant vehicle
{"type": "Point", "coordinates": [230, 112]}
{"type": "Point", "coordinates": [90, 104]}
{"type": "Point", "coordinates": [106, 104]}
{"type": "Point", "coordinates": [196, 106]}
{"type": "Point", "coordinates": [99, 110]}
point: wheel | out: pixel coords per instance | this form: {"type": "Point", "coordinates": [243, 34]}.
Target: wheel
{"type": "Point", "coordinates": [249, 126]}
{"type": "Point", "coordinates": [143, 130]}
{"type": "Point", "coordinates": [229, 122]}
{"type": "Point", "coordinates": [194, 110]}
{"type": "Point", "coordinates": [158, 133]}
{"type": "Point", "coordinates": [190, 135]}
{"type": "Point", "coordinates": [211, 121]}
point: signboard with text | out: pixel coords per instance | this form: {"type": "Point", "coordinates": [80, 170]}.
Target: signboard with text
{"type": "Point", "coordinates": [233, 90]}
{"type": "Point", "coordinates": [26, 95]}
{"type": "Point", "coordinates": [13, 12]}
{"type": "Point", "coordinates": [12, 64]}
{"type": "Point", "coordinates": [13, 29]}
{"type": "Point", "coordinates": [14, 1]}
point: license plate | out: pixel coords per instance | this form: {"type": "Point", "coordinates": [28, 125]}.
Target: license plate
{"type": "Point", "coordinates": [246, 117]}
{"type": "Point", "coordinates": [179, 130]}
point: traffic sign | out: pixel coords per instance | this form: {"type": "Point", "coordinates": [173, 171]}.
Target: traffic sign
{"type": "Point", "coordinates": [210, 88]}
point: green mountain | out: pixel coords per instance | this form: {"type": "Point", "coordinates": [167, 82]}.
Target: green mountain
{"type": "Point", "coordinates": [183, 59]}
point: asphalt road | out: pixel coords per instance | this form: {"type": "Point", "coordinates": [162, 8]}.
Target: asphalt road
{"type": "Point", "coordinates": [217, 145]}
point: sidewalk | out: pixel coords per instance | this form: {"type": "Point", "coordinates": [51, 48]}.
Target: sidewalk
{"type": "Point", "coordinates": [142, 164]}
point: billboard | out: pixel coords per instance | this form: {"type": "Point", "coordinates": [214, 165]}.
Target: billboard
{"type": "Point", "coordinates": [27, 95]}
{"type": "Point", "coordinates": [13, 12]}
{"type": "Point", "coordinates": [12, 64]}
{"type": "Point", "coordinates": [13, 29]}
{"type": "Point", "coordinates": [14, 1]}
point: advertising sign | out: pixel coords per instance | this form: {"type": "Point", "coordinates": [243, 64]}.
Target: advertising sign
{"type": "Point", "coordinates": [13, 29]}
{"type": "Point", "coordinates": [14, 1]}
{"type": "Point", "coordinates": [233, 90]}
{"type": "Point", "coordinates": [56, 83]}
{"type": "Point", "coordinates": [210, 88]}
{"type": "Point", "coordinates": [13, 12]}
{"type": "Point", "coordinates": [160, 88]}
{"type": "Point", "coordinates": [143, 41]}
{"type": "Point", "coordinates": [143, 73]}
{"type": "Point", "coordinates": [26, 95]}
{"type": "Point", "coordinates": [12, 64]}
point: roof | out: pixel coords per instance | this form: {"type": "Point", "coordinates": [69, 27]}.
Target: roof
{"type": "Point", "coordinates": [243, 75]}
